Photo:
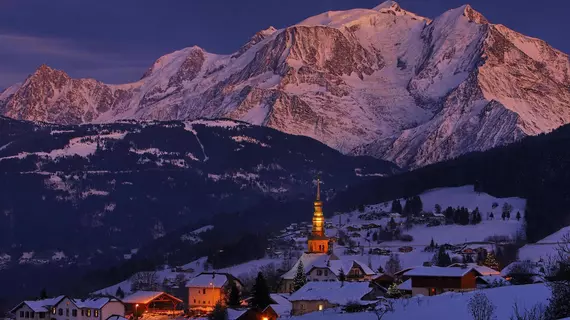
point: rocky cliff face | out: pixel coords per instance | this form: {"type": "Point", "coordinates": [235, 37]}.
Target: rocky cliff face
{"type": "Point", "coordinates": [382, 82]}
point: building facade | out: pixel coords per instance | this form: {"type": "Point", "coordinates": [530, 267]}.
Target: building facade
{"type": "Point", "coordinates": [430, 281]}
{"type": "Point", "coordinates": [207, 289]}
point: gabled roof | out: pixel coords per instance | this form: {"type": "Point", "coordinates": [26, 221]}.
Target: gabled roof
{"type": "Point", "coordinates": [494, 280]}
{"type": "Point", "coordinates": [145, 297]}
{"type": "Point", "coordinates": [209, 280]}
{"type": "Point", "coordinates": [39, 305]}
{"type": "Point", "coordinates": [482, 270]}
{"type": "Point", "coordinates": [334, 292]}
{"type": "Point", "coordinates": [282, 305]}
{"type": "Point", "coordinates": [309, 260]}
{"type": "Point", "coordinates": [336, 265]}
{"type": "Point", "coordinates": [438, 272]}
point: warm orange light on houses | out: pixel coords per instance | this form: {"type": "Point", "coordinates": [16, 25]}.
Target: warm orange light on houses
{"type": "Point", "coordinates": [318, 241]}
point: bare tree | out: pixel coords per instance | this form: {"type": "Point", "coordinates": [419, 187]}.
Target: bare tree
{"type": "Point", "coordinates": [537, 312]}
{"type": "Point", "coordinates": [383, 308]}
{"type": "Point", "coordinates": [146, 280]}
{"type": "Point", "coordinates": [481, 308]}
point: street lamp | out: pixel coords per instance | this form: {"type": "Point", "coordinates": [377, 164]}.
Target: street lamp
{"type": "Point", "coordinates": [136, 313]}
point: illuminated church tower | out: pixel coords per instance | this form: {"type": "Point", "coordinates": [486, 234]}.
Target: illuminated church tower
{"type": "Point", "coordinates": [318, 241]}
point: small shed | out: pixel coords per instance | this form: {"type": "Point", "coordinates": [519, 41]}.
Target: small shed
{"type": "Point", "coordinates": [151, 301]}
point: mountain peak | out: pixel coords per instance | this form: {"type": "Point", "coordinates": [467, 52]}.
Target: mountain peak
{"type": "Point", "coordinates": [388, 5]}
{"type": "Point", "coordinates": [473, 15]}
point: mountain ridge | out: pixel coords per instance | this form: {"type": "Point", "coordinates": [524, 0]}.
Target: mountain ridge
{"type": "Point", "coordinates": [383, 82]}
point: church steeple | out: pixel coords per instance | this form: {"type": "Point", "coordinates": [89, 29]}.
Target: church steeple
{"type": "Point", "coordinates": [318, 242]}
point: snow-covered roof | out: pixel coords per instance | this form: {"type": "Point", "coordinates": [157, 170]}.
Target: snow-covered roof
{"type": "Point", "coordinates": [533, 267]}
{"type": "Point", "coordinates": [332, 291]}
{"type": "Point", "coordinates": [483, 270]}
{"type": "Point", "coordinates": [494, 279]}
{"type": "Point", "coordinates": [406, 285]}
{"type": "Point", "coordinates": [40, 305]}
{"type": "Point", "coordinates": [92, 303]}
{"type": "Point", "coordinates": [145, 297]}
{"type": "Point", "coordinates": [282, 305]}
{"type": "Point", "coordinates": [336, 265]}
{"type": "Point", "coordinates": [309, 260]}
{"type": "Point", "coordinates": [208, 280]}
{"type": "Point", "coordinates": [233, 314]}
{"type": "Point", "coordinates": [438, 272]}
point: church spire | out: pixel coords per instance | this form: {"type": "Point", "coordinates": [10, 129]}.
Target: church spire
{"type": "Point", "coordinates": [318, 189]}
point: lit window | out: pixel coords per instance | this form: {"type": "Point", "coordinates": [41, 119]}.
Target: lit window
{"type": "Point", "coordinates": [53, 310]}
{"type": "Point", "coordinates": [88, 312]}
{"type": "Point", "coordinates": [320, 307]}
{"type": "Point", "coordinates": [95, 313]}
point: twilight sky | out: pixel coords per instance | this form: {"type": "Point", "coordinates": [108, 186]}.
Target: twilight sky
{"type": "Point", "coordinates": [115, 41]}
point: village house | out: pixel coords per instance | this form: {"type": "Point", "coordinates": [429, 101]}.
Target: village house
{"type": "Point", "coordinates": [481, 270]}
{"type": "Point", "coordinates": [206, 289]}
{"type": "Point", "coordinates": [430, 281]}
{"type": "Point", "coordinates": [87, 309]}
{"type": "Point", "coordinates": [318, 296]}
{"type": "Point", "coordinates": [35, 309]}
{"type": "Point", "coordinates": [150, 301]}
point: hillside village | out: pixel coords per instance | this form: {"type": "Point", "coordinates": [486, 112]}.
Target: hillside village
{"type": "Point", "coordinates": [418, 257]}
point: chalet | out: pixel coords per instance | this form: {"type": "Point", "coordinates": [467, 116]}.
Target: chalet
{"type": "Point", "coordinates": [430, 281]}
{"type": "Point", "coordinates": [318, 296]}
{"type": "Point", "coordinates": [92, 308]}
{"type": "Point", "coordinates": [150, 301]}
{"type": "Point", "coordinates": [206, 289]}
{"type": "Point", "coordinates": [35, 309]}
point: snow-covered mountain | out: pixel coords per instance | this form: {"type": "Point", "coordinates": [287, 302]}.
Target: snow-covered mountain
{"type": "Point", "coordinates": [382, 81]}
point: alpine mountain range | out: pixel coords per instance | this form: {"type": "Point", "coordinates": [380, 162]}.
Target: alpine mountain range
{"type": "Point", "coordinates": [382, 82]}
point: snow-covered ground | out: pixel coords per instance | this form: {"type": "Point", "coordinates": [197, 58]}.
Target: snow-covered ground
{"type": "Point", "coordinates": [450, 306]}
{"type": "Point", "coordinates": [546, 247]}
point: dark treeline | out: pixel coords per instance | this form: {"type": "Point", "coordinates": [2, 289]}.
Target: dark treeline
{"type": "Point", "coordinates": [536, 168]}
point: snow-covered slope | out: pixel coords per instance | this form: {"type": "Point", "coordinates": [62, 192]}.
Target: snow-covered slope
{"type": "Point", "coordinates": [451, 305]}
{"type": "Point", "coordinates": [381, 81]}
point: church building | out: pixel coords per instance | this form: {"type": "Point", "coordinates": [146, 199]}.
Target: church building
{"type": "Point", "coordinates": [319, 261]}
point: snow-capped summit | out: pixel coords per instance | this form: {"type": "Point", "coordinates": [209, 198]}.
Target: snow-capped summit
{"type": "Point", "coordinates": [383, 82]}
{"type": "Point", "coordinates": [388, 5]}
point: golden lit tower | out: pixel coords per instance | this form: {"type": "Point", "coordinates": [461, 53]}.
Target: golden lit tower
{"type": "Point", "coordinates": [318, 241]}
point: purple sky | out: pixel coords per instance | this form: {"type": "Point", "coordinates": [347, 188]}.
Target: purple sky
{"type": "Point", "coordinates": [115, 41]}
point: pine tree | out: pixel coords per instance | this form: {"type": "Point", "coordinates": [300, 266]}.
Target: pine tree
{"type": "Point", "coordinates": [394, 291]}
{"type": "Point", "coordinates": [491, 261]}
{"type": "Point", "coordinates": [432, 244]}
{"type": "Point", "coordinates": [492, 216]}
{"type": "Point", "coordinates": [518, 216]}
{"type": "Point", "coordinates": [437, 208]}
{"type": "Point", "coordinates": [300, 277]}
{"type": "Point", "coordinates": [396, 206]}
{"type": "Point", "coordinates": [392, 224]}
{"type": "Point", "coordinates": [380, 269]}
{"type": "Point", "coordinates": [119, 293]}
{"type": "Point", "coordinates": [393, 264]}
{"type": "Point", "coordinates": [260, 293]}
{"type": "Point", "coordinates": [43, 294]}
{"type": "Point", "coordinates": [441, 258]}
{"type": "Point", "coordinates": [234, 299]}
{"type": "Point", "coordinates": [342, 276]}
